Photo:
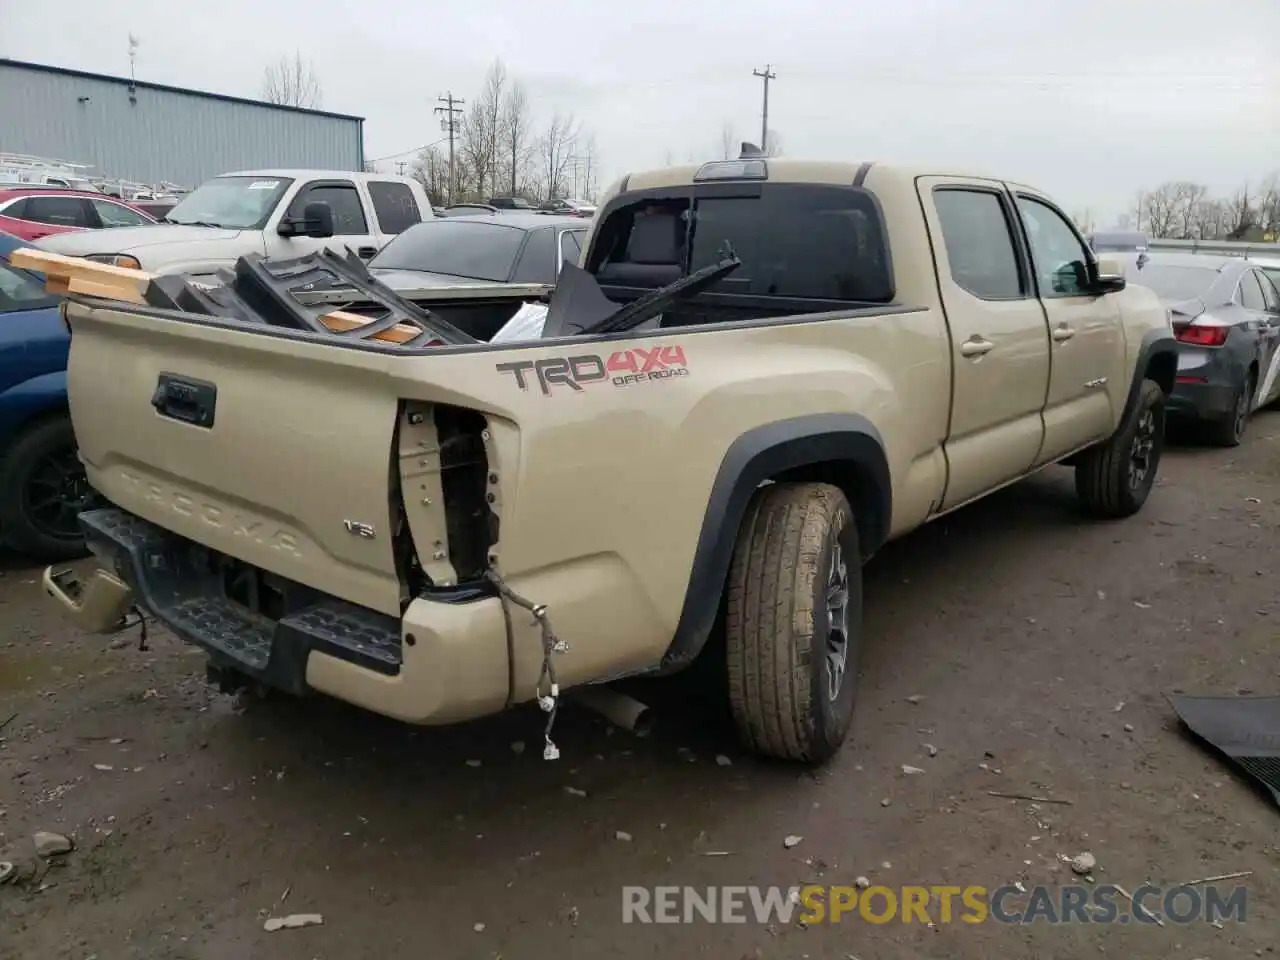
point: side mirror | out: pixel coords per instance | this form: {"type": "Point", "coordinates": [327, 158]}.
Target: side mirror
{"type": "Point", "coordinates": [1107, 277]}
{"type": "Point", "coordinates": [316, 222]}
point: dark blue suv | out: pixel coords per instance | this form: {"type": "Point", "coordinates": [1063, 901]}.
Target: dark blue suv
{"type": "Point", "coordinates": [42, 483]}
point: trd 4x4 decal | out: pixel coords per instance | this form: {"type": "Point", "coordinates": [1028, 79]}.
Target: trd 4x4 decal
{"type": "Point", "coordinates": [621, 368]}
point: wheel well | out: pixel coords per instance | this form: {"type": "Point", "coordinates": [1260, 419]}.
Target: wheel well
{"type": "Point", "coordinates": [1163, 369]}
{"type": "Point", "coordinates": [859, 485]}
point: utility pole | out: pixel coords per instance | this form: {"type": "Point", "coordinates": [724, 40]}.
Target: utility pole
{"type": "Point", "coordinates": [400, 167]}
{"type": "Point", "coordinates": [766, 75]}
{"type": "Point", "coordinates": [450, 112]}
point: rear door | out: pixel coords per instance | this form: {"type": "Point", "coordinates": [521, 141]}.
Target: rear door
{"type": "Point", "coordinates": [394, 206]}
{"type": "Point", "coordinates": [1087, 382]}
{"type": "Point", "coordinates": [999, 339]}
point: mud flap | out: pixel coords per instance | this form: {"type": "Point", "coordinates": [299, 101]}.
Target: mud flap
{"type": "Point", "coordinates": [96, 605]}
{"type": "Point", "coordinates": [1245, 729]}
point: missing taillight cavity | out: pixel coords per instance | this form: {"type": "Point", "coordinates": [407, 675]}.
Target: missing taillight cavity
{"type": "Point", "coordinates": [1201, 336]}
{"type": "Point", "coordinates": [464, 470]}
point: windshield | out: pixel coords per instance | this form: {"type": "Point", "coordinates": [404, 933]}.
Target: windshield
{"type": "Point", "coordinates": [236, 203]}
{"type": "Point", "coordinates": [457, 248]}
{"type": "Point", "coordinates": [1174, 283]}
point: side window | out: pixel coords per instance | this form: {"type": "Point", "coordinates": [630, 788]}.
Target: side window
{"type": "Point", "coordinates": [1060, 258]}
{"type": "Point", "coordinates": [342, 198]}
{"type": "Point", "coordinates": [16, 210]}
{"type": "Point", "coordinates": [538, 262]}
{"type": "Point", "coordinates": [1270, 292]}
{"type": "Point", "coordinates": [59, 211]}
{"type": "Point", "coordinates": [394, 205]}
{"type": "Point", "coordinates": [1251, 293]}
{"type": "Point", "coordinates": [570, 248]}
{"type": "Point", "coordinates": [117, 215]}
{"type": "Point", "coordinates": [979, 244]}
{"type": "Point", "coordinates": [21, 291]}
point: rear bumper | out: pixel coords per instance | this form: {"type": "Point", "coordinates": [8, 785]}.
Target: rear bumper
{"type": "Point", "coordinates": [1202, 401]}
{"type": "Point", "coordinates": [441, 663]}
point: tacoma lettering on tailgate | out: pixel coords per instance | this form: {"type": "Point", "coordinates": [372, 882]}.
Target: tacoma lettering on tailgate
{"type": "Point", "coordinates": [214, 515]}
{"type": "Point", "coordinates": [621, 368]}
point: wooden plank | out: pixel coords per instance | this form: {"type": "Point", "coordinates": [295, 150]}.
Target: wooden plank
{"type": "Point", "coordinates": [56, 265]}
{"type": "Point", "coordinates": [340, 321]}
{"type": "Point", "coordinates": [107, 291]}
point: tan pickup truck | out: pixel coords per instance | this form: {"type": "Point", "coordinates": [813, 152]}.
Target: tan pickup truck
{"type": "Point", "coordinates": [874, 347]}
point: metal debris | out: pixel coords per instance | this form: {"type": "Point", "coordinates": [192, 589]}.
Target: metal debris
{"type": "Point", "coordinates": [930, 749]}
{"type": "Point", "coordinates": [575, 792]}
{"type": "Point", "coordinates": [723, 761]}
{"type": "Point", "coordinates": [478, 927]}
{"type": "Point", "coordinates": [791, 840]}
{"type": "Point", "coordinates": [517, 747]}
{"type": "Point", "coordinates": [911, 771]}
{"type": "Point", "coordinates": [914, 698]}
{"type": "Point", "coordinates": [1027, 796]}
{"type": "Point", "coordinates": [622, 835]}
{"type": "Point", "coordinates": [7, 870]}
{"type": "Point", "coordinates": [473, 763]}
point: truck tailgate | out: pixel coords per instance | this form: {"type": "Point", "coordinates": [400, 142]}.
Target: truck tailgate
{"type": "Point", "coordinates": [228, 438]}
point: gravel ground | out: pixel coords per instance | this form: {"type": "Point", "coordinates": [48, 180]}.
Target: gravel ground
{"type": "Point", "coordinates": [1031, 649]}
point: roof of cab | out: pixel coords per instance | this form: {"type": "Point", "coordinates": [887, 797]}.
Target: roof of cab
{"type": "Point", "coordinates": [786, 170]}
{"type": "Point", "coordinates": [295, 174]}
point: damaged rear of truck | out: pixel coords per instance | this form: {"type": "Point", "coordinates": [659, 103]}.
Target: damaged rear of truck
{"type": "Point", "coordinates": [749, 385]}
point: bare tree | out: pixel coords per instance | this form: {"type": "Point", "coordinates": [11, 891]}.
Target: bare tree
{"type": "Point", "coordinates": [1190, 197]}
{"type": "Point", "coordinates": [773, 145]}
{"type": "Point", "coordinates": [515, 125]}
{"type": "Point", "coordinates": [728, 141]}
{"type": "Point", "coordinates": [589, 159]}
{"type": "Point", "coordinates": [1084, 220]}
{"type": "Point", "coordinates": [555, 153]}
{"type": "Point", "coordinates": [292, 82]}
{"type": "Point", "coordinates": [431, 169]}
{"type": "Point", "coordinates": [1160, 209]}
{"type": "Point", "coordinates": [1268, 205]}
{"type": "Point", "coordinates": [481, 129]}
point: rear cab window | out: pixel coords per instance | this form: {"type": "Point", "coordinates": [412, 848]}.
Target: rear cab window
{"type": "Point", "coordinates": [394, 205]}
{"type": "Point", "coordinates": [804, 247]}
{"type": "Point", "coordinates": [978, 238]}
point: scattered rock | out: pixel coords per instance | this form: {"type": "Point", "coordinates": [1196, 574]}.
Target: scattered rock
{"type": "Point", "coordinates": [1083, 863]}
{"type": "Point", "coordinates": [51, 844]}
{"type": "Point", "coordinates": [884, 802]}
{"type": "Point", "coordinates": [575, 792]}
{"type": "Point", "coordinates": [473, 763]}
{"type": "Point", "coordinates": [1128, 728]}
{"type": "Point", "coordinates": [931, 749]}
{"type": "Point", "coordinates": [886, 865]}
{"type": "Point", "coordinates": [911, 771]}
{"type": "Point", "coordinates": [862, 883]}
{"type": "Point", "coordinates": [622, 835]}
{"type": "Point", "coordinates": [292, 922]}
{"type": "Point", "coordinates": [104, 767]}
{"type": "Point", "coordinates": [517, 747]}
{"type": "Point", "coordinates": [1141, 606]}
{"type": "Point", "coordinates": [914, 698]}
{"type": "Point", "coordinates": [478, 928]}
{"type": "Point", "coordinates": [723, 761]}
{"type": "Point", "coordinates": [7, 870]}
{"type": "Point", "coordinates": [791, 841]}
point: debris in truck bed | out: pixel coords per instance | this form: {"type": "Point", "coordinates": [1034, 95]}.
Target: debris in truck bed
{"type": "Point", "coordinates": [257, 291]}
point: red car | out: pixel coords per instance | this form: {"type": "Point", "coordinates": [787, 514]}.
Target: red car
{"type": "Point", "coordinates": [34, 212]}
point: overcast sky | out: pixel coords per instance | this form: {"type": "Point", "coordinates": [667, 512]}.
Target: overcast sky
{"type": "Point", "coordinates": [1088, 99]}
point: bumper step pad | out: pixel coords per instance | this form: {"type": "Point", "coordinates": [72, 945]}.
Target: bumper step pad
{"type": "Point", "coordinates": [180, 583]}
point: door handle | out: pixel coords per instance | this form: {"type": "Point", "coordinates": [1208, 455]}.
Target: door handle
{"type": "Point", "coordinates": [364, 253]}
{"type": "Point", "coordinates": [976, 346]}
{"type": "Point", "coordinates": [1063, 333]}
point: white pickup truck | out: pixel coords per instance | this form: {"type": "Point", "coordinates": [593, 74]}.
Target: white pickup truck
{"type": "Point", "coordinates": [276, 213]}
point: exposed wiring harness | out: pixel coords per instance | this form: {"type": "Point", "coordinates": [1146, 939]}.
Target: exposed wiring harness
{"type": "Point", "coordinates": [551, 645]}
{"type": "Point", "coordinates": [139, 621]}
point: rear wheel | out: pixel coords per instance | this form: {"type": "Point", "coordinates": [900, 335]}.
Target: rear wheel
{"type": "Point", "coordinates": [1114, 478]}
{"type": "Point", "coordinates": [1229, 431]}
{"type": "Point", "coordinates": [793, 620]}
{"type": "Point", "coordinates": [42, 491]}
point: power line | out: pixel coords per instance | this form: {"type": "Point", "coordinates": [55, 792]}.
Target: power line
{"type": "Point", "coordinates": [766, 75]}
{"type": "Point", "coordinates": [450, 112]}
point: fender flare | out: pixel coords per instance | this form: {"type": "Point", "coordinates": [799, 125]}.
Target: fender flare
{"type": "Point", "coordinates": [765, 452]}
{"type": "Point", "coordinates": [1155, 343]}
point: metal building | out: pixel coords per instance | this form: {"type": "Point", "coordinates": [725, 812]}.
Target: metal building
{"type": "Point", "coordinates": [149, 133]}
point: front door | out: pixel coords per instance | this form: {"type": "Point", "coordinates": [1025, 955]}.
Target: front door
{"type": "Point", "coordinates": [351, 226]}
{"type": "Point", "coordinates": [999, 341]}
{"type": "Point", "coordinates": [1259, 297]}
{"type": "Point", "coordinates": [1087, 382]}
